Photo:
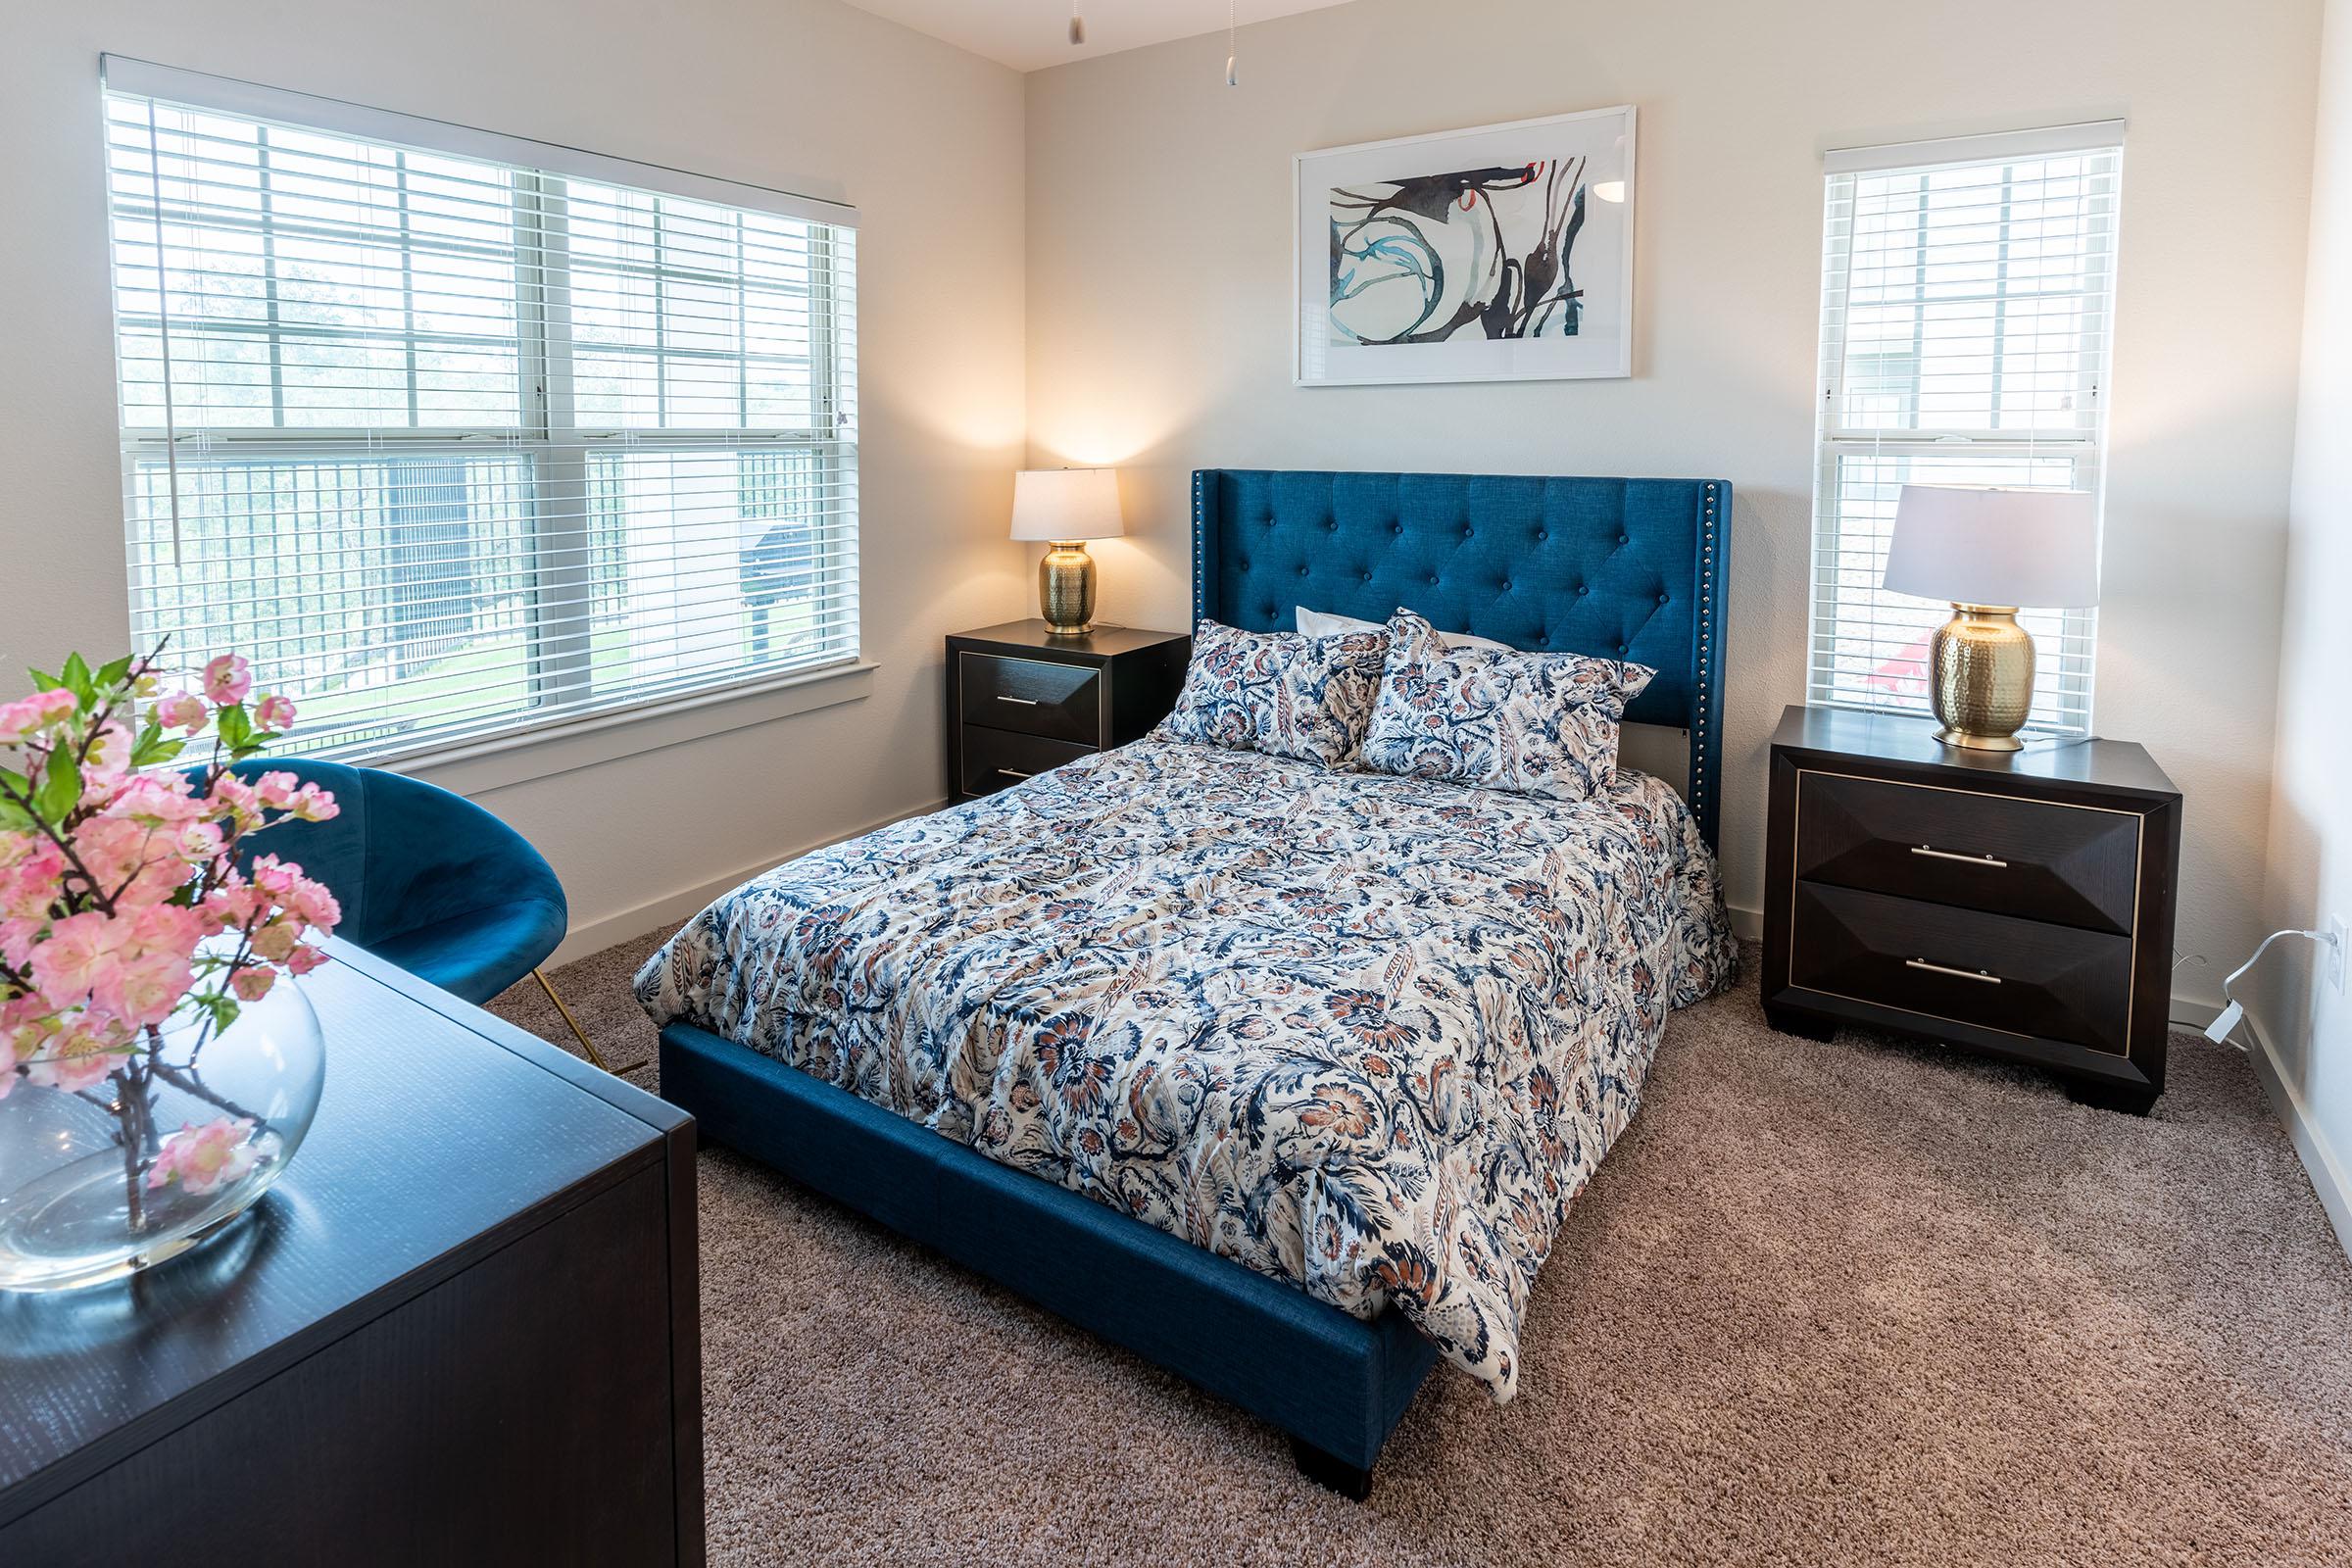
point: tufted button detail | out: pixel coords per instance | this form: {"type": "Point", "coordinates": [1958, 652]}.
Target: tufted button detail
{"type": "Point", "coordinates": [1621, 539]}
{"type": "Point", "coordinates": [1395, 527]}
{"type": "Point", "coordinates": [1331, 525]}
{"type": "Point", "coordinates": [1543, 535]}
{"type": "Point", "coordinates": [1303, 573]}
{"type": "Point", "coordinates": [1661, 596]}
{"type": "Point", "coordinates": [1363, 576]}
{"type": "Point", "coordinates": [1544, 642]}
{"type": "Point", "coordinates": [1467, 530]}
{"type": "Point", "coordinates": [1433, 579]}
{"type": "Point", "coordinates": [1622, 650]}
{"type": "Point", "coordinates": [1581, 590]}
{"type": "Point", "coordinates": [1245, 564]}
{"type": "Point", "coordinates": [1506, 585]}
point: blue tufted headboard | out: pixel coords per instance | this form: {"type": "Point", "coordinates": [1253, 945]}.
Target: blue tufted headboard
{"type": "Point", "coordinates": [1618, 569]}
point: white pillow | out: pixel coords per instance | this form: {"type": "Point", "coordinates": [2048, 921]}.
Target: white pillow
{"type": "Point", "coordinates": [1315, 623]}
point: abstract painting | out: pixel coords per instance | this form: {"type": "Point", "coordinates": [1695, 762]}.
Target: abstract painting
{"type": "Point", "coordinates": [1501, 252]}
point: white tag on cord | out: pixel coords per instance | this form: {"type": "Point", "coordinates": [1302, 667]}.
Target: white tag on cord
{"type": "Point", "coordinates": [2218, 1030]}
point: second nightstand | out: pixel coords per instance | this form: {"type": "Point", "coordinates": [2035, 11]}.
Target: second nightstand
{"type": "Point", "coordinates": [2014, 903]}
{"type": "Point", "coordinates": [1021, 700]}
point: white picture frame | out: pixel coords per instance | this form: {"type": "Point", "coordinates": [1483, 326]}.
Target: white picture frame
{"type": "Point", "coordinates": [1394, 289]}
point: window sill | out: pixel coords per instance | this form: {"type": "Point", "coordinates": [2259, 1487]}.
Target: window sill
{"type": "Point", "coordinates": [479, 767]}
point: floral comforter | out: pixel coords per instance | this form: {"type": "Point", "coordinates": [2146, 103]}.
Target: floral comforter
{"type": "Point", "coordinates": [1364, 1034]}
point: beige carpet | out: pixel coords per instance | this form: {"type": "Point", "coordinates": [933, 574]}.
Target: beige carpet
{"type": "Point", "coordinates": [1860, 1302]}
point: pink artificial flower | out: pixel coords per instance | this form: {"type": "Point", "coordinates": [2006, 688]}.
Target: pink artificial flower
{"type": "Point", "coordinates": [254, 983]}
{"type": "Point", "coordinates": [311, 804]}
{"type": "Point", "coordinates": [82, 952]}
{"type": "Point", "coordinates": [274, 940]}
{"type": "Point", "coordinates": [203, 1159]}
{"type": "Point", "coordinates": [73, 1052]}
{"type": "Point", "coordinates": [16, 939]}
{"type": "Point", "coordinates": [181, 711]}
{"type": "Point", "coordinates": [307, 901]}
{"type": "Point", "coordinates": [158, 799]}
{"type": "Point", "coordinates": [227, 679]}
{"type": "Point", "coordinates": [144, 989]}
{"type": "Point", "coordinates": [106, 763]}
{"type": "Point", "coordinates": [30, 714]}
{"type": "Point", "coordinates": [32, 871]}
{"type": "Point", "coordinates": [274, 712]}
{"type": "Point", "coordinates": [199, 843]}
{"type": "Point", "coordinates": [302, 960]}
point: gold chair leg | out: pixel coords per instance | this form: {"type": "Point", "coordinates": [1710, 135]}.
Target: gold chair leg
{"type": "Point", "coordinates": [586, 1043]}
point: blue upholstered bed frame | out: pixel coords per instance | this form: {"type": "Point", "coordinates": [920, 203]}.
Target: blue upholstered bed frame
{"type": "Point", "coordinates": [1620, 569]}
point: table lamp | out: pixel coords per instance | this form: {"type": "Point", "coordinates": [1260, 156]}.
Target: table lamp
{"type": "Point", "coordinates": [1988, 552]}
{"type": "Point", "coordinates": [1065, 507]}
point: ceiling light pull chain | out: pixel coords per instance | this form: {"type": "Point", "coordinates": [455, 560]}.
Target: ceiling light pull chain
{"type": "Point", "coordinates": [1231, 50]}
{"type": "Point", "coordinates": [1077, 25]}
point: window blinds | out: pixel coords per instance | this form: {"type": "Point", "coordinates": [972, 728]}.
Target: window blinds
{"type": "Point", "coordinates": [455, 435]}
{"type": "Point", "coordinates": [1967, 289]}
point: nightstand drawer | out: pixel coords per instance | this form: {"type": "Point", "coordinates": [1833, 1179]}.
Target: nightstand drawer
{"type": "Point", "coordinates": [1061, 701]}
{"type": "Point", "coordinates": [996, 759]}
{"type": "Point", "coordinates": [2036, 860]}
{"type": "Point", "coordinates": [1962, 966]}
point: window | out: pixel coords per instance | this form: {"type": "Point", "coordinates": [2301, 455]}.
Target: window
{"type": "Point", "coordinates": [457, 435]}
{"type": "Point", "coordinates": [1967, 291]}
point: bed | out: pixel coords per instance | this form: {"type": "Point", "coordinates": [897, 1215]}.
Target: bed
{"type": "Point", "coordinates": [1282, 1076]}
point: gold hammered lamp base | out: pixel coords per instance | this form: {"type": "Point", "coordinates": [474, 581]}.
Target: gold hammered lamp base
{"type": "Point", "coordinates": [1065, 588]}
{"type": "Point", "coordinates": [1981, 679]}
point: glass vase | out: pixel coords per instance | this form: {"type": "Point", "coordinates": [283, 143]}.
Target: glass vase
{"type": "Point", "coordinates": [177, 1140]}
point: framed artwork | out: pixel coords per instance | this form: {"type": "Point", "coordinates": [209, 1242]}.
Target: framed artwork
{"type": "Point", "coordinates": [1502, 253]}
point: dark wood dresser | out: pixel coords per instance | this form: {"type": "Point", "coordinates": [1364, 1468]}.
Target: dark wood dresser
{"type": "Point", "coordinates": [463, 1329]}
{"type": "Point", "coordinates": [1021, 700]}
{"type": "Point", "coordinates": [2018, 904]}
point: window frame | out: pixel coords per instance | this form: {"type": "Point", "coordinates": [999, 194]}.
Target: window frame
{"type": "Point", "coordinates": [2068, 659]}
{"type": "Point", "coordinates": [563, 448]}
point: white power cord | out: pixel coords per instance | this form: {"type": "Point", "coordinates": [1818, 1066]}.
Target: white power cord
{"type": "Point", "coordinates": [2231, 1016]}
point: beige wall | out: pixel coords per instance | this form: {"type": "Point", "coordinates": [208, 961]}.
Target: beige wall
{"type": "Point", "coordinates": [1159, 288]}
{"type": "Point", "coordinates": [2305, 1021]}
{"type": "Point", "coordinates": [806, 95]}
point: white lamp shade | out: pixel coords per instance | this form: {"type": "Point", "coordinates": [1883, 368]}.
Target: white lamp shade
{"type": "Point", "coordinates": [2035, 549]}
{"type": "Point", "coordinates": [1066, 504]}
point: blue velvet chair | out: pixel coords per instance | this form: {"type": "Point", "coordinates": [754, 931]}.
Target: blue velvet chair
{"type": "Point", "coordinates": [427, 880]}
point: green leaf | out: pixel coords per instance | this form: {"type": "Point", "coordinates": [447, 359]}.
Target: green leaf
{"type": "Point", "coordinates": [153, 749]}
{"type": "Point", "coordinates": [43, 681]}
{"type": "Point", "coordinates": [13, 815]}
{"type": "Point", "coordinates": [236, 729]}
{"type": "Point", "coordinates": [61, 787]}
{"type": "Point", "coordinates": [76, 678]}
{"type": "Point", "coordinates": [117, 672]}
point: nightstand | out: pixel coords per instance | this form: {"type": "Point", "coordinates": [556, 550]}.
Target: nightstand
{"type": "Point", "coordinates": [1021, 700]}
{"type": "Point", "coordinates": [2018, 904]}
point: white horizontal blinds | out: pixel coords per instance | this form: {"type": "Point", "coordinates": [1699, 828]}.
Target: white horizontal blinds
{"type": "Point", "coordinates": [452, 446]}
{"type": "Point", "coordinates": [1966, 297]}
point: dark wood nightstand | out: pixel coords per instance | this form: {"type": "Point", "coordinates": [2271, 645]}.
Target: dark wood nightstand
{"type": "Point", "coordinates": [2018, 904]}
{"type": "Point", "coordinates": [1021, 700]}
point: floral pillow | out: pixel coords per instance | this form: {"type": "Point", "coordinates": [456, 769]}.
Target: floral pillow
{"type": "Point", "coordinates": [1541, 724]}
{"type": "Point", "coordinates": [1280, 692]}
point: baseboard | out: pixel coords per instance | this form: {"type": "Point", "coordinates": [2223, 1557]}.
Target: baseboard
{"type": "Point", "coordinates": [2328, 1174]}
{"type": "Point", "coordinates": [674, 907]}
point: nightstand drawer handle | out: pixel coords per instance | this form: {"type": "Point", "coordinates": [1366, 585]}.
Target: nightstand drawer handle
{"type": "Point", "coordinates": [1015, 773]}
{"type": "Point", "coordinates": [1021, 701]}
{"type": "Point", "coordinates": [1965, 860]}
{"type": "Point", "coordinates": [1979, 975]}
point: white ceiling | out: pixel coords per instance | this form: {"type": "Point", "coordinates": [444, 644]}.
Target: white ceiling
{"type": "Point", "coordinates": [1031, 34]}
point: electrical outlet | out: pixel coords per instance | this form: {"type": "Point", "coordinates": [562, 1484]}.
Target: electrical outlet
{"type": "Point", "coordinates": [2337, 939]}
